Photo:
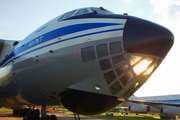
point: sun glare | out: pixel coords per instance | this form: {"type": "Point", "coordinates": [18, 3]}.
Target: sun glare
{"type": "Point", "coordinates": [141, 66]}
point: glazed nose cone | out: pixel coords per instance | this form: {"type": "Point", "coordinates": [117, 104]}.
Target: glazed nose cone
{"type": "Point", "coordinates": [145, 37]}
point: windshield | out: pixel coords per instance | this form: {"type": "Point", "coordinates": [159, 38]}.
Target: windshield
{"type": "Point", "coordinates": [82, 11]}
{"type": "Point", "coordinates": [100, 10]}
{"type": "Point", "coordinates": [74, 13]}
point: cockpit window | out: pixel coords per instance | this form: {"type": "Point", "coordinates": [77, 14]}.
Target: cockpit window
{"type": "Point", "coordinates": [81, 11]}
{"type": "Point", "coordinates": [67, 15]}
{"type": "Point", "coordinates": [74, 13]}
{"type": "Point", "coordinates": [63, 16]}
{"type": "Point", "coordinates": [70, 14]}
{"type": "Point", "coordinates": [100, 10]}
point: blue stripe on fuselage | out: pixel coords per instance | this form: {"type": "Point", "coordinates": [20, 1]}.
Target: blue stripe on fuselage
{"type": "Point", "coordinates": [56, 33]}
{"type": "Point", "coordinates": [166, 101]}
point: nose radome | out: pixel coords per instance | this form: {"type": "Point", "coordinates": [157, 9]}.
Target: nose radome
{"type": "Point", "coordinates": [145, 37]}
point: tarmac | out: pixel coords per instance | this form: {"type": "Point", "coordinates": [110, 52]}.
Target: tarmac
{"type": "Point", "coordinates": [60, 116]}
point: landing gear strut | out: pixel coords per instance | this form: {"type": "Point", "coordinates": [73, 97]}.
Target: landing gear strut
{"type": "Point", "coordinates": [43, 113]}
{"type": "Point", "coordinates": [44, 116]}
{"type": "Point", "coordinates": [76, 116]}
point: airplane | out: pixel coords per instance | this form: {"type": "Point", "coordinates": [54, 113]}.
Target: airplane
{"type": "Point", "coordinates": [88, 59]}
{"type": "Point", "coordinates": [167, 106]}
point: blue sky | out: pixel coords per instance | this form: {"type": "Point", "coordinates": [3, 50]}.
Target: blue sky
{"type": "Point", "coordinates": [18, 18]}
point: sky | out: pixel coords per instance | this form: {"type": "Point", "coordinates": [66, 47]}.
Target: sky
{"type": "Point", "coordinates": [18, 18]}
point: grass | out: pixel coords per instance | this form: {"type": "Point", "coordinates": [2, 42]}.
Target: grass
{"type": "Point", "coordinates": [3, 109]}
{"type": "Point", "coordinates": [119, 116]}
{"type": "Point", "coordinates": [116, 116]}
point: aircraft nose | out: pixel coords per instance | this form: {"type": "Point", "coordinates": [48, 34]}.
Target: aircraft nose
{"type": "Point", "coordinates": [145, 37]}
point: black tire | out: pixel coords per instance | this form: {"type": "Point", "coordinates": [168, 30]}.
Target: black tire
{"type": "Point", "coordinates": [46, 118]}
{"type": "Point", "coordinates": [22, 113]}
{"type": "Point", "coordinates": [16, 112]}
{"type": "Point", "coordinates": [27, 117]}
{"type": "Point", "coordinates": [53, 117]}
{"type": "Point", "coordinates": [36, 118]}
{"type": "Point", "coordinates": [36, 114]}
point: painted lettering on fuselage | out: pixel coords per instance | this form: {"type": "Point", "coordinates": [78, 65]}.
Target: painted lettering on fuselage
{"type": "Point", "coordinates": [35, 41]}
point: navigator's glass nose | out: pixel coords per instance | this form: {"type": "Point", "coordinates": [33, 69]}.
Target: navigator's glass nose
{"type": "Point", "coordinates": [145, 37]}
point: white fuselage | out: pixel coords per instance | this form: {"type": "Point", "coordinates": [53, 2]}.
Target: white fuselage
{"type": "Point", "coordinates": [84, 58]}
{"type": "Point", "coordinates": [25, 69]}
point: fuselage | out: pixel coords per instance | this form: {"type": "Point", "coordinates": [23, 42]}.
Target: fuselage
{"type": "Point", "coordinates": [163, 105]}
{"type": "Point", "coordinates": [82, 59]}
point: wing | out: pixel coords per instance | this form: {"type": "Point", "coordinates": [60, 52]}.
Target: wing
{"type": "Point", "coordinates": [154, 103]}
{"type": "Point", "coordinates": [6, 46]}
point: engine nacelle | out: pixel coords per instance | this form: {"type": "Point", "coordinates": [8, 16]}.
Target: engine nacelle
{"type": "Point", "coordinates": [171, 111]}
{"type": "Point", "coordinates": [154, 110]}
{"type": "Point", "coordinates": [140, 108]}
